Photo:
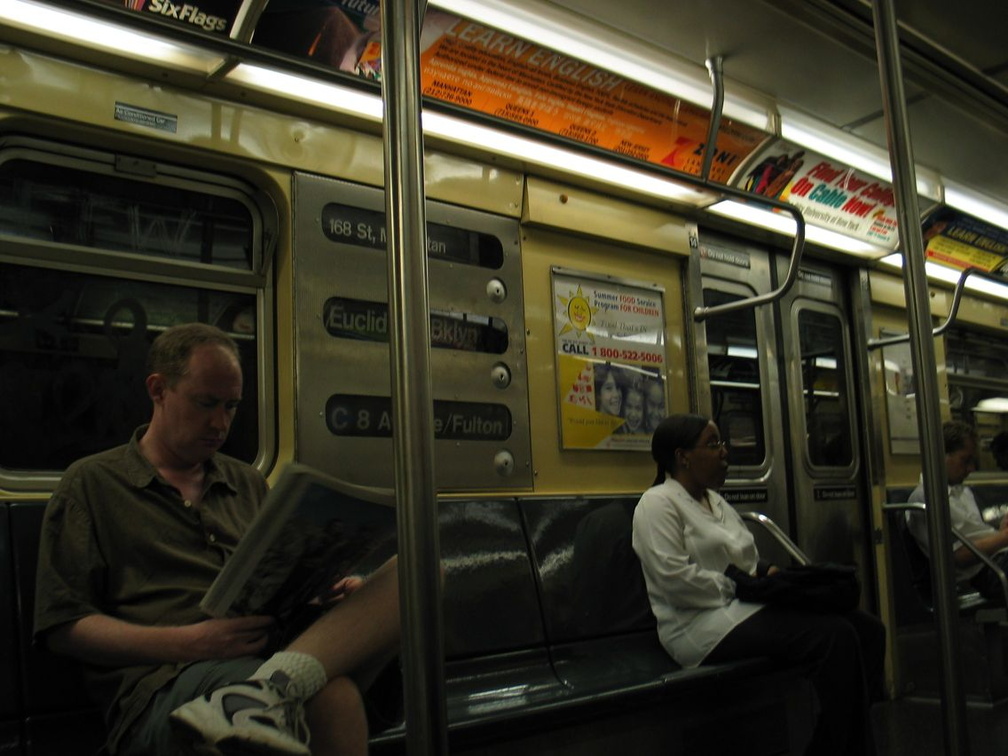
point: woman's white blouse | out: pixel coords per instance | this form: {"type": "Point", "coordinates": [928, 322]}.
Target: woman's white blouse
{"type": "Point", "coordinates": [684, 549]}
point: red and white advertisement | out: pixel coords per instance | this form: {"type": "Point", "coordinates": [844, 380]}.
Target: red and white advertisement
{"type": "Point", "coordinates": [828, 193]}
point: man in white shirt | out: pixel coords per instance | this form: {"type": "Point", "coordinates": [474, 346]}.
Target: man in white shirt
{"type": "Point", "coordinates": [960, 440]}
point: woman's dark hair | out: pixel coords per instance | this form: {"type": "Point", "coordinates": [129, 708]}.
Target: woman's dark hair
{"type": "Point", "coordinates": [673, 433]}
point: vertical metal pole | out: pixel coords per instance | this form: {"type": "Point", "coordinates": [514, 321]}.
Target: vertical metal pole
{"type": "Point", "coordinates": [412, 400]}
{"type": "Point", "coordinates": [923, 356]}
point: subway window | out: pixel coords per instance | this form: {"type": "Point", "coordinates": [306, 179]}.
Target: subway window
{"type": "Point", "coordinates": [736, 389]}
{"type": "Point", "coordinates": [824, 389]}
{"type": "Point", "coordinates": [978, 386]}
{"type": "Point", "coordinates": [94, 264]}
{"type": "Point", "coordinates": [70, 205]}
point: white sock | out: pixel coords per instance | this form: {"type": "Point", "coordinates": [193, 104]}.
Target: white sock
{"type": "Point", "coordinates": [306, 674]}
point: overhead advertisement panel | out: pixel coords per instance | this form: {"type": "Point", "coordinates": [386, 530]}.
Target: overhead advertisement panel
{"type": "Point", "coordinates": [494, 73]}
{"type": "Point", "coordinates": [216, 16]}
{"type": "Point", "coordinates": [962, 241]}
{"type": "Point", "coordinates": [828, 193]}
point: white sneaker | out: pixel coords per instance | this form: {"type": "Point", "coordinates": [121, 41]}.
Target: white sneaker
{"type": "Point", "coordinates": [248, 717]}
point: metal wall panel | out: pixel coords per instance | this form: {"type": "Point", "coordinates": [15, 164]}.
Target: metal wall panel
{"type": "Point", "coordinates": [831, 518]}
{"type": "Point", "coordinates": [343, 423]}
{"type": "Point", "coordinates": [738, 380]}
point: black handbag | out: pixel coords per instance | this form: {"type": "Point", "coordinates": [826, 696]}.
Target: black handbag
{"type": "Point", "coordinates": [825, 587]}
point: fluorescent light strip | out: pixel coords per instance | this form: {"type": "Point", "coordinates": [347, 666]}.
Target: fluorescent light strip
{"type": "Point", "coordinates": [834, 143]}
{"type": "Point", "coordinates": [785, 224]}
{"type": "Point", "coordinates": [459, 131]}
{"type": "Point", "coordinates": [538, 153]}
{"type": "Point", "coordinates": [977, 205]}
{"type": "Point", "coordinates": [578, 37]}
{"type": "Point", "coordinates": [944, 273]}
{"type": "Point", "coordinates": [78, 28]}
{"type": "Point", "coordinates": [333, 97]}
{"type": "Point", "coordinates": [850, 150]}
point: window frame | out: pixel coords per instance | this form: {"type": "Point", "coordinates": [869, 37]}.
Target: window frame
{"type": "Point", "coordinates": [131, 266]}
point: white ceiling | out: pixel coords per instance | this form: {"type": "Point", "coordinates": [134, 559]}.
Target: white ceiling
{"type": "Point", "coordinates": [818, 56]}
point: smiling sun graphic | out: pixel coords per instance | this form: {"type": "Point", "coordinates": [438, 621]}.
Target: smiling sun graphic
{"type": "Point", "coordinates": [579, 313]}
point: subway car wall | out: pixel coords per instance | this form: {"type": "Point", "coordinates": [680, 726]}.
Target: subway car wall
{"type": "Point", "coordinates": [500, 389]}
{"type": "Point", "coordinates": [547, 291]}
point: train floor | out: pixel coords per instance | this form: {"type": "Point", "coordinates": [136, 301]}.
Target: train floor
{"type": "Point", "coordinates": [910, 727]}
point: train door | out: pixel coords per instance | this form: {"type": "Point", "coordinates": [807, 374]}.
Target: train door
{"type": "Point", "coordinates": [831, 514]}
{"type": "Point", "coordinates": [737, 373]}
{"type": "Point", "coordinates": [779, 381]}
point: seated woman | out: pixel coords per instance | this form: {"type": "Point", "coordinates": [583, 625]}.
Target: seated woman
{"type": "Point", "coordinates": [686, 535]}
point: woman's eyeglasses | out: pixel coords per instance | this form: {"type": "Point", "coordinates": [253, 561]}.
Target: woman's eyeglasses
{"type": "Point", "coordinates": [717, 444]}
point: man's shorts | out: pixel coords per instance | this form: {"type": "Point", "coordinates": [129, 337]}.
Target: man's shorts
{"type": "Point", "coordinates": [151, 734]}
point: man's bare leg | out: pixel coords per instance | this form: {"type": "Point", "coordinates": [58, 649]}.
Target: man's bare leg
{"type": "Point", "coordinates": [361, 634]}
{"type": "Point", "coordinates": [337, 720]}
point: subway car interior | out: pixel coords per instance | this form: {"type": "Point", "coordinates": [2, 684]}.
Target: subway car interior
{"type": "Point", "coordinates": [790, 216]}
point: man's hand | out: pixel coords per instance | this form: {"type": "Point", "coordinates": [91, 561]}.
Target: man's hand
{"type": "Point", "coordinates": [230, 637]}
{"type": "Point", "coordinates": [340, 590]}
{"type": "Point", "coordinates": [104, 640]}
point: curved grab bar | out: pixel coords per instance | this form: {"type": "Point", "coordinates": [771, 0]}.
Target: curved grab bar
{"type": "Point", "coordinates": [714, 67]}
{"type": "Point", "coordinates": [953, 311]}
{"type": "Point", "coordinates": [779, 535]}
{"type": "Point", "coordinates": [981, 557]}
{"type": "Point", "coordinates": [701, 312]}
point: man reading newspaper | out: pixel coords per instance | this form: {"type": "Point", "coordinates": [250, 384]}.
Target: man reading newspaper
{"type": "Point", "coordinates": [132, 539]}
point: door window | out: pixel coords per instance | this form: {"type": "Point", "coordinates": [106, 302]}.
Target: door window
{"type": "Point", "coordinates": [824, 389]}
{"type": "Point", "coordinates": [733, 363]}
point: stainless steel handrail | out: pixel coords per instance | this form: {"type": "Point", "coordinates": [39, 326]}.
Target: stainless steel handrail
{"type": "Point", "coordinates": [779, 535]}
{"type": "Point", "coordinates": [419, 566]}
{"type": "Point", "coordinates": [981, 557]}
{"type": "Point", "coordinates": [701, 312]}
{"type": "Point", "coordinates": [953, 310]}
{"type": "Point", "coordinates": [922, 354]}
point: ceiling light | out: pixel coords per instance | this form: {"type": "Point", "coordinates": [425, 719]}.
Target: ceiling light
{"type": "Point", "coordinates": [333, 97]}
{"type": "Point", "coordinates": [944, 273]}
{"type": "Point", "coordinates": [785, 224]}
{"type": "Point", "coordinates": [977, 205]}
{"type": "Point", "coordinates": [81, 29]}
{"type": "Point", "coordinates": [458, 131]}
{"type": "Point", "coordinates": [850, 150]}
{"type": "Point", "coordinates": [997, 404]}
{"type": "Point", "coordinates": [571, 34]}
{"type": "Point", "coordinates": [535, 152]}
